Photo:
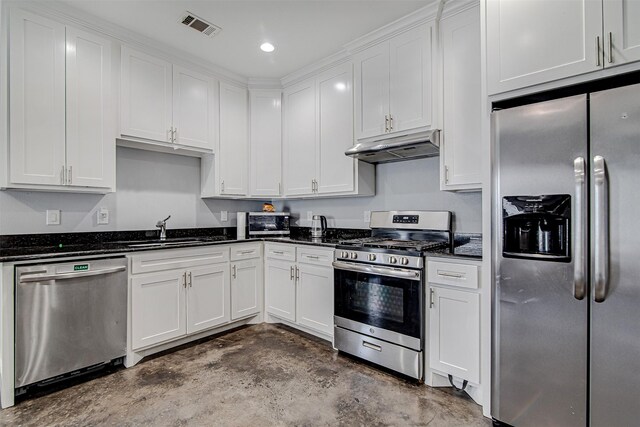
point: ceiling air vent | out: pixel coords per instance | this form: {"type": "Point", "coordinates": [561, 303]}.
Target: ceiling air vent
{"type": "Point", "coordinates": [200, 25]}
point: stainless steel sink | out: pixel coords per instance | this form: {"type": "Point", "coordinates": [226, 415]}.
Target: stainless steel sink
{"type": "Point", "coordinates": [168, 242]}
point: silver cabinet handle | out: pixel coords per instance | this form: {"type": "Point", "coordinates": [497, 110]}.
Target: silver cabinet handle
{"type": "Point", "coordinates": [63, 174]}
{"type": "Point", "coordinates": [246, 252]}
{"type": "Point", "coordinates": [190, 280]}
{"type": "Point", "coordinates": [234, 272]}
{"type": "Point", "coordinates": [279, 191]}
{"type": "Point", "coordinates": [278, 252]}
{"type": "Point", "coordinates": [597, 51]}
{"type": "Point", "coordinates": [297, 273]}
{"type": "Point", "coordinates": [431, 297]}
{"type": "Point", "coordinates": [610, 47]}
{"type": "Point", "coordinates": [69, 178]}
{"type": "Point", "coordinates": [222, 187]}
{"type": "Point", "coordinates": [170, 134]}
{"type": "Point", "coordinates": [42, 277]}
{"type": "Point", "coordinates": [292, 274]}
{"type": "Point", "coordinates": [452, 275]}
{"type": "Point", "coordinates": [446, 174]}
{"type": "Point", "coordinates": [371, 346]}
{"type": "Point", "coordinates": [381, 271]}
{"type": "Point", "coordinates": [601, 230]}
{"type": "Point", "coordinates": [386, 123]}
{"type": "Point", "coordinates": [175, 134]}
{"type": "Point", "coordinates": [184, 279]}
{"type": "Point", "coordinates": [312, 257]}
{"type": "Point", "coordinates": [390, 122]}
{"type": "Point", "coordinates": [579, 234]}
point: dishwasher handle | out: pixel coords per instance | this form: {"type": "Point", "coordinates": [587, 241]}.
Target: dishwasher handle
{"type": "Point", "coordinates": [42, 277]}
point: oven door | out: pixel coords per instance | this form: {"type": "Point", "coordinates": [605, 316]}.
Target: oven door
{"type": "Point", "coordinates": [380, 301]}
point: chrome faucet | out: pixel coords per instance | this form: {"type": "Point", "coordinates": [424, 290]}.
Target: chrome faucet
{"type": "Point", "coordinates": [162, 225]}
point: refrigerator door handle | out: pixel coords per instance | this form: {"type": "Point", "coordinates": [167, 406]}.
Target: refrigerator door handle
{"type": "Point", "coordinates": [601, 230]}
{"type": "Point", "coordinates": [579, 234]}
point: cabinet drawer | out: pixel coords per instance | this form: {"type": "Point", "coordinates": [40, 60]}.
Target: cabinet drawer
{"type": "Point", "coordinates": [246, 251]}
{"type": "Point", "coordinates": [275, 251]}
{"type": "Point", "coordinates": [168, 259]}
{"type": "Point", "coordinates": [454, 274]}
{"type": "Point", "coordinates": [313, 255]}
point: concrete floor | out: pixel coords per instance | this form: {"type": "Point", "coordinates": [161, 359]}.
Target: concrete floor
{"type": "Point", "coordinates": [256, 376]}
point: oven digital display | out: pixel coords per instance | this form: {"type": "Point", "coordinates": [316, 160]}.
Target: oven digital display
{"type": "Point", "coordinates": [406, 219]}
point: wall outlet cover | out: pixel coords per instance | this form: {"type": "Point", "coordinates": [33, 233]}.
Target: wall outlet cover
{"type": "Point", "coordinates": [103, 216]}
{"type": "Point", "coordinates": [309, 215]}
{"type": "Point", "coordinates": [53, 216]}
{"type": "Point", "coordinates": [224, 216]}
{"type": "Point", "coordinates": [367, 216]}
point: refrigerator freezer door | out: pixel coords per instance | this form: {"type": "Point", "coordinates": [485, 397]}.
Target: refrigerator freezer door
{"type": "Point", "coordinates": [615, 327]}
{"type": "Point", "coordinates": [540, 328]}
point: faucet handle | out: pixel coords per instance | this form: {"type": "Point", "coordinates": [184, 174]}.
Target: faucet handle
{"type": "Point", "coordinates": [163, 222]}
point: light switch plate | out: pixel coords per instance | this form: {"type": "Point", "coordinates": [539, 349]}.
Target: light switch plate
{"type": "Point", "coordinates": [224, 216]}
{"type": "Point", "coordinates": [309, 215]}
{"type": "Point", "coordinates": [53, 216]}
{"type": "Point", "coordinates": [367, 216]}
{"type": "Point", "coordinates": [103, 216]}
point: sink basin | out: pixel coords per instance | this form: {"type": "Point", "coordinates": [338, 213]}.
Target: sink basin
{"type": "Point", "coordinates": [168, 242]}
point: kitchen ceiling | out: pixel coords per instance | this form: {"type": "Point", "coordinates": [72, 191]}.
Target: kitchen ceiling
{"type": "Point", "coordinates": [302, 31]}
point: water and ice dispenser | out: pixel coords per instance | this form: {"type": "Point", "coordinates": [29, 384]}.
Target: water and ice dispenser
{"type": "Point", "coordinates": [537, 227]}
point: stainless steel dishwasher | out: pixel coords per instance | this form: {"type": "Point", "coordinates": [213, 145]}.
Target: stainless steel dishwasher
{"type": "Point", "coordinates": [69, 316]}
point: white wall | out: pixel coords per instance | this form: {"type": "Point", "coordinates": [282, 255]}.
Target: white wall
{"type": "Point", "coordinates": [149, 187]}
{"type": "Point", "coordinates": [410, 185]}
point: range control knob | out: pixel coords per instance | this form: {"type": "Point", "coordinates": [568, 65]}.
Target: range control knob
{"type": "Point", "coordinates": [393, 260]}
{"type": "Point", "coordinates": [344, 254]}
{"type": "Point", "coordinates": [404, 261]}
{"type": "Point", "coordinates": [372, 257]}
{"type": "Point", "coordinates": [354, 255]}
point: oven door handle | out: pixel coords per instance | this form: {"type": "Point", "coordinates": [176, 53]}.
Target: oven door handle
{"type": "Point", "coordinates": [382, 271]}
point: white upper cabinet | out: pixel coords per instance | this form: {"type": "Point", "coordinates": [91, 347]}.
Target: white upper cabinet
{"type": "Point", "coordinates": [146, 101]}
{"type": "Point", "coordinates": [232, 155]}
{"type": "Point", "coordinates": [393, 84]}
{"type": "Point", "coordinates": [462, 100]}
{"type": "Point", "coordinates": [537, 41]}
{"type": "Point", "coordinates": [299, 148]}
{"type": "Point", "coordinates": [621, 31]}
{"type": "Point", "coordinates": [194, 109]}
{"type": "Point", "coordinates": [335, 130]}
{"type": "Point", "coordinates": [62, 131]}
{"type": "Point", "coordinates": [266, 142]}
{"type": "Point", "coordinates": [166, 103]}
{"type": "Point", "coordinates": [90, 128]}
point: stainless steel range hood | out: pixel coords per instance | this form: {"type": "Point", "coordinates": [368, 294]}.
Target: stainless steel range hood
{"type": "Point", "coordinates": [405, 147]}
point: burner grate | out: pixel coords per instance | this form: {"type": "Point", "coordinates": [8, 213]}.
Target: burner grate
{"type": "Point", "coordinates": [397, 244]}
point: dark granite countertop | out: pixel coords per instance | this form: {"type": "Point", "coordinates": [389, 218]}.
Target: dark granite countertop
{"type": "Point", "coordinates": [14, 248]}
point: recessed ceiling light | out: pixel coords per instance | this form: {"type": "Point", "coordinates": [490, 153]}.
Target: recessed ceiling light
{"type": "Point", "coordinates": [267, 47]}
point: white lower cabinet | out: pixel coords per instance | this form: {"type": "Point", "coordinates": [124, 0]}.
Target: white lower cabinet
{"type": "Point", "coordinates": [280, 289]}
{"type": "Point", "coordinates": [454, 335]}
{"type": "Point", "coordinates": [453, 320]}
{"type": "Point", "coordinates": [246, 288]}
{"type": "Point", "coordinates": [314, 303]}
{"type": "Point", "coordinates": [207, 297]}
{"type": "Point", "coordinates": [300, 289]}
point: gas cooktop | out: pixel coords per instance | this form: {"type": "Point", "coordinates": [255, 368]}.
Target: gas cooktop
{"type": "Point", "coordinates": [395, 244]}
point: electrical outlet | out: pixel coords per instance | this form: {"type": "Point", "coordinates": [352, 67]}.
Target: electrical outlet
{"type": "Point", "coordinates": [102, 216]}
{"type": "Point", "coordinates": [309, 215]}
{"type": "Point", "coordinates": [367, 216]}
{"type": "Point", "coordinates": [224, 216]}
{"type": "Point", "coordinates": [53, 216]}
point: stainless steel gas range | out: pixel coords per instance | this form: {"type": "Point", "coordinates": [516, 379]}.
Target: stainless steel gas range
{"type": "Point", "coordinates": [380, 289]}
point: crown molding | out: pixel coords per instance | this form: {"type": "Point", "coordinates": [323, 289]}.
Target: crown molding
{"type": "Point", "coordinates": [453, 7]}
{"type": "Point", "coordinates": [419, 17]}
{"type": "Point", "coordinates": [69, 15]}
{"type": "Point", "coordinates": [259, 83]}
{"type": "Point", "coordinates": [316, 68]}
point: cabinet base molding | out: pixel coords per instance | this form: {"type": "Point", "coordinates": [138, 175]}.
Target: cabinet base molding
{"type": "Point", "coordinates": [270, 318]}
{"type": "Point", "coordinates": [133, 357]}
{"type": "Point", "coordinates": [437, 379]}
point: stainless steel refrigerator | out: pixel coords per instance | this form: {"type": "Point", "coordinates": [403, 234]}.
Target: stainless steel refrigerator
{"type": "Point", "coordinates": [566, 307]}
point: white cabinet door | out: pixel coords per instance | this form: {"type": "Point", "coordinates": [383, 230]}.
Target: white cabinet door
{"type": "Point", "coordinates": [91, 146]}
{"type": "Point", "coordinates": [335, 130]}
{"type": "Point", "coordinates": [299, 150]}
{"type": "Point", "coordinates": [36, 99]}
{"type": "Point", "coordinates": [461, 148]}
{"type": "Point", "coordinates": [454, 333]}
{"type": "Point", "coordinates": [410, 79]}
{"type": "Point", "coordinates": [622, 31]}
{"type": "Point", "coordinates": [157, 308]}
{"type": "Point", "coordinates": [372, 90]}
{"type": "Point", "coordinates": [280, 289]}
{"type": "Point", "coordinates": [208, 297]}
{"type": "Point", "coordinates": [536, 41]}
{"type": "Point", "coordinates": [246, 286]}
{"type": "Point", "coordinates": [266, 142]}
{"type": "Point", "coordinates": [315, 298]}
{"type": "Point", "coordinates": [232, 156]}
{"type": "Point", "coordinates": [194, 108]}
{"type": "Point", "coordinates": [146, 96]}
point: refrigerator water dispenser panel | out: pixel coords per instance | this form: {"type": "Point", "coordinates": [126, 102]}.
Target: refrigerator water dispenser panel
{"type": "Point", "coordinates": [537, 227]}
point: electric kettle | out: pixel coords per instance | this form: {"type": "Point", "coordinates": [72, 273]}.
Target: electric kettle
{"type": "Point", "coordinates": [318, 226]}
